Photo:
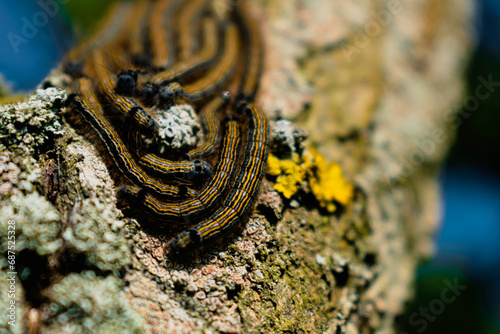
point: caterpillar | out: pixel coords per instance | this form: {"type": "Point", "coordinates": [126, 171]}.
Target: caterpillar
{"type": "Point", "coordinates": [87, 106]}
{"type": "Point", "coordinates": [190, 171]}
{"type": "Point", "coordinates": [243, 191]}
{"type": "Point", "coordinates": [185, 171]}
{"type": "Point", "coordinates": [202, 59]}
{"type": "Point", "coordinates": [253, 56]}
{"type": "Point", "coordinates": [126, 81]}
{"type": "Point", "coordinates": [138, 22]}
{"type": "Point", "coordinates": [201, 204]}
{"type": "Point", "coordinates": [187, 36]}
{"type": "Point", "coordinates": [208, 117]}
{"type": "Point", "coordinates": [216, 76]}
{"type": "Point", "coordinates": [161, 38]}
{"type": "Point", "coordinates": [120, 105]}
{"type": "Point", "coordinates": [108, 29]}
{"type": "Point", "coordinates": [169, 59]}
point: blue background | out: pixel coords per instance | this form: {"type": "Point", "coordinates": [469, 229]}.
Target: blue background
{"type": "Point", "coordinates": [27, 67]}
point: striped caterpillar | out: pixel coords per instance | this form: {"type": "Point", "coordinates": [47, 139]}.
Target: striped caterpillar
{"type": "Point", "coordinates": [243, 191]}
{"type": "Point", "coordinates": [163, 70]}
{"type": "Point", "coordinates": [206, 200]}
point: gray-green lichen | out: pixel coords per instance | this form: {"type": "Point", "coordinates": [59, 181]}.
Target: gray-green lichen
{"type": "Point", "coordinates": [94, 231]}
{"type": "Point", "coordinates": [178, 128]}
{"type": "Point", "coordinates": [286, 138]}
{"type": "Point", "coordinates": [18, 173]}
{"type": "Point", "coordinates": [71, 251]}
{"type": "Point", "coordinates": [26, 126]}
{"type": "Point", "coordinates": [37, 224]}
{"type": "Point", "coordinates": [86, 303]}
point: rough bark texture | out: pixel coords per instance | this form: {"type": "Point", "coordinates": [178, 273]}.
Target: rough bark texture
{"type": "Point", "coordinates": [372, 82]}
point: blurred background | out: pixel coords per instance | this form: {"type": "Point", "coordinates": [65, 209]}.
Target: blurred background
{"type": "Point", "coordinates": [468, 243]}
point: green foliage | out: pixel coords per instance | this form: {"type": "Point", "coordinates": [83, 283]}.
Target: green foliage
{"type": "Point", "coordinates": [86, 14]}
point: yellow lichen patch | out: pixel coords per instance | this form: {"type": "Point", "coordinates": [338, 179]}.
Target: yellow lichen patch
{"type": "Point", "coordinates": [325, 179]}
{"type": "Point", "coordinates": [327, 182]}
{"type": "Point", "coordinates": [289, 174]}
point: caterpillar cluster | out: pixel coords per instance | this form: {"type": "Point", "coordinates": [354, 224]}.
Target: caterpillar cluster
{"type": "Point", "coordinates": [157, 53]}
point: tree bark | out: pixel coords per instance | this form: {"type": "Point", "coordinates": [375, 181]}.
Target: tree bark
{"type": "Point", "coordinates": [375, 84]}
